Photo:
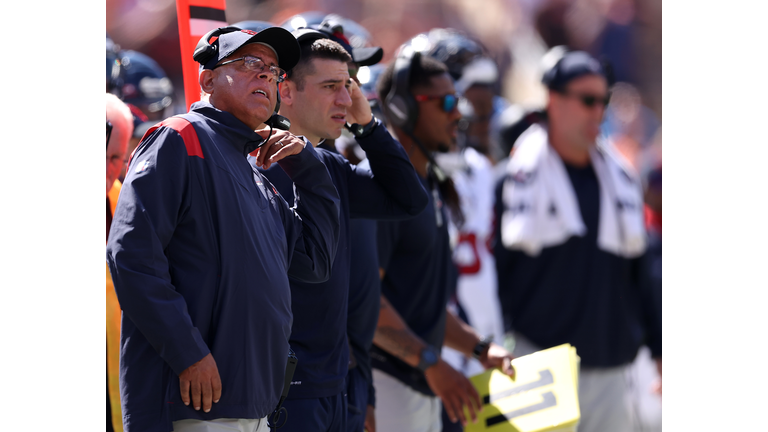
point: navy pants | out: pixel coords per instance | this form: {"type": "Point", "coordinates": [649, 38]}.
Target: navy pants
{"type": "Point", "coordinates": [357, 400]}
{"type": "Point", "coordinates": [325, 414]}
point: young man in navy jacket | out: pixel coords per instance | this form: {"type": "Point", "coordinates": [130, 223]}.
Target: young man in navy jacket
{"type": "Point", "coordinates": [201, 248]}
{"type": "Point", "coordinates": [319, 98]}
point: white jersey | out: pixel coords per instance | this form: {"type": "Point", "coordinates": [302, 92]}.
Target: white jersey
{"type": "Point", "coordinates": [476, 289]}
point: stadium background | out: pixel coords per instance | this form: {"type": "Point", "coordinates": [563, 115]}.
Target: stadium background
{"type": "Point", "coordinates": [516, 33]}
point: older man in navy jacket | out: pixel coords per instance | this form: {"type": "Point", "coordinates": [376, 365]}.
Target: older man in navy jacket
{"type": "Point", "coordinates": [202, 246]}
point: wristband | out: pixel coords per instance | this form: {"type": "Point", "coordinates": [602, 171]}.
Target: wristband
{"type": "Point", "coordinates": [482, 347]}
{"type": "Point", "coordinates": [362, 131]}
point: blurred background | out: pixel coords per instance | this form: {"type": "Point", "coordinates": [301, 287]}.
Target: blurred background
{"type": "Point", "coordinates": [516, 34]}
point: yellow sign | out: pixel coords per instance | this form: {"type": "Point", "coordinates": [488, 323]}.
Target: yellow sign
{"type": "Point", "coordinates": [542, 398]}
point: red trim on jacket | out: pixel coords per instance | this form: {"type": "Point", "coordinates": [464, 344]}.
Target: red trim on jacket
{"type": "Point", "coordinates": [184, 128]}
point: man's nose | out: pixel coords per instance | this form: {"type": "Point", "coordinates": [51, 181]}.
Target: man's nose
{"type": "Point", "coordinates": [344, 99]}
{"type": "Point", "coordinates": [267, 75]}
{"type": "Point", "coordinates": [454, 114]}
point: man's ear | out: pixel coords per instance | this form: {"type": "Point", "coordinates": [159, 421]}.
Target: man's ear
{"type": "Point", "coordinates": [287, 91]}
{"type": "Point", "coordinates": [206, 81]}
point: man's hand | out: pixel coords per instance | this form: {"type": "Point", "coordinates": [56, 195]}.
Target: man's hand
{"type": "Point", "coordinates": [370, 419]}
{"type": "Point", "coordinates": [498, 357]}
{"type": "Point", "coordinates": [278, 146]}
{"type": "Point", "coordinates": [360, 111]}
{"type": "Point", "coordinates": [202, 379]}
{"type": "Point", "coordinates": [656, 386]}
{"type": "Point", "coordinates": [455, 390]}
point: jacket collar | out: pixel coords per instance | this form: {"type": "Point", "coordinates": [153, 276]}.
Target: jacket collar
{"type": "Point", "coordinates": [235, 131]}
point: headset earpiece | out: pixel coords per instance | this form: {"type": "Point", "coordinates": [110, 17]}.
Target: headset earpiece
{"type": "Point", "coordinates": [401, 106]}
{"type": "Point", "coordinates": [403, 109]}
{"type": "Point", "coordinates": [205, 49]}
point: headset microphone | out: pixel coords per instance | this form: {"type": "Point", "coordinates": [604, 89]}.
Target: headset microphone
{"type": "Point", "coordinates": [278, 122]}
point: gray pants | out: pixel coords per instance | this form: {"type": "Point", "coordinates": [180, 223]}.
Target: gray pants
{"type": "Point", "coordinates": [400, 408]}
{"type": "Point", "coordinates": [221, 425]}
{"type": "Point", "coordinates": [603, 392]}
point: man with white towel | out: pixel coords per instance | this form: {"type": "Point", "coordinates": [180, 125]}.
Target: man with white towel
{"type": "Point", "coordinates": [570, 243]}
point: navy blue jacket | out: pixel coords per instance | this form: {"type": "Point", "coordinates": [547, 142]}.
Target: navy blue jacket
{"type": "Point", "coordinates": [419, 278]}
{"type": "Point", "coordinates": [364, 295]}
{"type": "Point", "coordinates": [364, 298]}
{"type": "Point", "coordinates": [200, 250]}
{"type": "Point", "coordinates": [576, 293]}
{"type": "Point", "coordinates": [390, 190]}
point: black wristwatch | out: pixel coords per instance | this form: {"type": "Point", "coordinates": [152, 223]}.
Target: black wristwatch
{"type": "Point", "coordinates": [360, 131]}
{"type": "Point", "coordinates": [429, 357]}
{"type": "Point", "coordinates": [482, 347]}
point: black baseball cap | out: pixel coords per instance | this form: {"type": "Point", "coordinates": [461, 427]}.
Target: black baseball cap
{"type": "Point", "coordinates": [279, 39]}
{"type": "Point", "coordinates": [365, 56]}
{"type": "Point", "coordinates": [571, 65]}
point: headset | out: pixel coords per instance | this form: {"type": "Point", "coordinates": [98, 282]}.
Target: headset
{"type": "Point", "coordinates": [403, 109]}
{"type": "Point", "coordinates": [400, 104]}
{"type": "Point", "coordinates": [207, 50]}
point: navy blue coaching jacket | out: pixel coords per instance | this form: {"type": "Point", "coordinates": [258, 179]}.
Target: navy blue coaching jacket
{"type": "Point", "coordinates": [200, 250]}
{"type": "Point", "coordinates": [389, 190]}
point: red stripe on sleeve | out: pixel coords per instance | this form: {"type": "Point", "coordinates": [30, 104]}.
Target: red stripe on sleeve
{"type": "Point", "coordinates": [188, 134]}
{"type": "Point", "coordinates": [184, 128]}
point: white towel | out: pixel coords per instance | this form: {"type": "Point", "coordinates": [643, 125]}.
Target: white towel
{"type": "Point", "coordinates": [541, 209]}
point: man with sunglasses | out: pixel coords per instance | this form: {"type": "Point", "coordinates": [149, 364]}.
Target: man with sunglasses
{"type": "Point", "coordinates": [418, 276]}
{"type": "Point", "coordinates": [202, 246]}
{"type": "Point", "coordinates": [320, 98]}
{"type": "Point", "coordinates": [570, 243]}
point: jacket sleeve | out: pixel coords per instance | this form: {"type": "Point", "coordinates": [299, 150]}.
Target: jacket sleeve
{"type": "Point", "coordinates": [152, 200]}
{"type": "Point", "coordinates": [371, 394]}
{"type": "Point", "coordinates": [387, 238]}
{"type": "Point", "coordinates": [312, 225]}
{"type": "Point", "coordinates": [650, 297]}
{"type": "Point", "coordinates": [391, 189]}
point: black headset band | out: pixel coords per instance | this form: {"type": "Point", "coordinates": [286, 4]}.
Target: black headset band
{"type": "Point", "coordinates": [402, 107]}
{"type": "Point", "coordinates": [205, 50]}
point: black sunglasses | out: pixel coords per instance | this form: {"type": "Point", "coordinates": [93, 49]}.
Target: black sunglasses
{"type": "Point", "coordinates": [109, 132]}
{"type": "Point", "coordinates": [448, 102]}
{"type": "Point", "coordinates": [588, 100]}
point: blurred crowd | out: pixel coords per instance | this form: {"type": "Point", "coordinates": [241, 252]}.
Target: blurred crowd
{"type": "Point", "coordinates": [496, 53]}
{"type": "Point", "coordinates": [514, 34]}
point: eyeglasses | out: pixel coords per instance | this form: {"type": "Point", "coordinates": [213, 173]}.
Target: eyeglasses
{"type": "Point", "coordinates": [109, 132]}
{"type": "Point", "coordinates": [448, 102]}
{"type": "Point", "coordinates": [588, 100]}
{"type": "Point", "coordinates": [255, 64]}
